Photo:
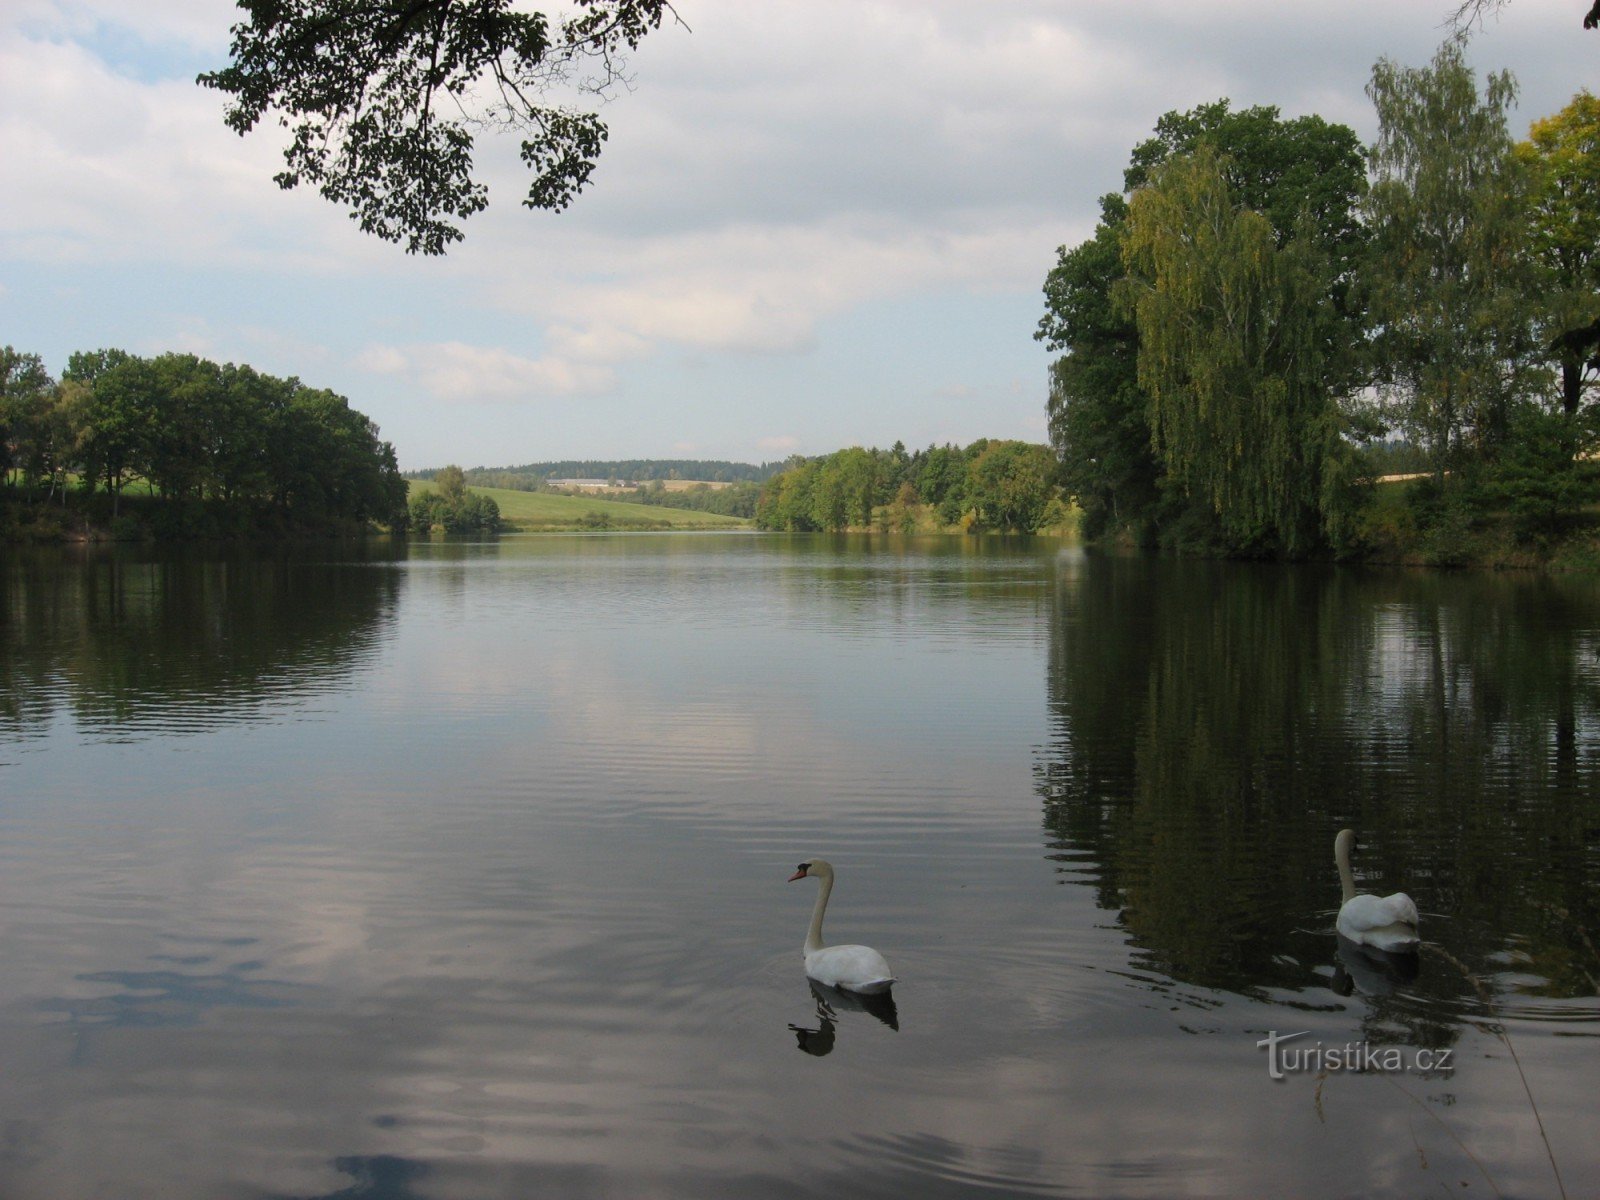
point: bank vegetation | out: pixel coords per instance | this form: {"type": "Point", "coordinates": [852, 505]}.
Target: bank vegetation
{"type": "Point", "coordinates": [1271, 317]}
{"type": "Point", "coordinates": [178, 446]}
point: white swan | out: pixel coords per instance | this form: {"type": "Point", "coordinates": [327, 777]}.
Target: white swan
{"type": "Point", "coordinates": [851, 968]}
{"type": "Point", "coordinates": [1382, 922]}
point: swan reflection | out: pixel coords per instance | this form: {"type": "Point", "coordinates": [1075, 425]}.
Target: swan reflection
{"type": "Point", "coordinates": [830, 1002]}
{"type": "Point", "coordinates": [1371, 971]}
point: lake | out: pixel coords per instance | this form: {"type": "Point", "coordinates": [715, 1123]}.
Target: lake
{"type": "Point", "coordinates": [459, 870]}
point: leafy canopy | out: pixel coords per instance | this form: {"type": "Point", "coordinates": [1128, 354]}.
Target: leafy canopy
{"type": "Point", "coordinates": [1301, 179]}
{"type": "Point", "coordinates": [1562, 158]}
{"type": "Point", "coordinates": [382, 97]}
{"type": "Point", "coordinates": [1448, 279]}
{"type": "Point", "coordinates": [1233, 355]}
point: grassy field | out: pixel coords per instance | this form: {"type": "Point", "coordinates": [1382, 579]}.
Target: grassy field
{"type": "Point", "coordinates": [536, 511]}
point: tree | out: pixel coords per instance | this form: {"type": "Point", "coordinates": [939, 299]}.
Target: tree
{"type": "Point", "coordinates": [1562, 157]}
{"type": "Point", "coordinates": [451, 505]}
{"type": "Point", "coordinates": [62, 434]}
{"type": "Point", "coordinates": [941, 478]}
{"type": "Point", "coordinates": [1282, 169]}
{"type": "Point", "coordinates": [122, 412]}
{"type": "Point", "coordinates": [1012, 484]}
{"type": "Point", "coordinates": [1096, 409]}
{"type": "Point", "coordinates": [382, 97]}
{"type": "Point", "coordinates": [1448, 273]}
{"type": "Point", "coordinates": [1233, 353]}
{"type": "Point", "coordinates": [179, 439]}
{"type": "Point", "coordinates": [451, 483]}
{"type": "Point", "coordinates": [1547, 476]}
{"type": "Point", "coordinates": [25, 388]}
{"type": "Point", "coordinates": [1305, 176]}
{"type": "Point", "coordinates": [901, 515]}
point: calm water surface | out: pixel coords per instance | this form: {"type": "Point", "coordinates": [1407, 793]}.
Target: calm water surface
{"type": "Point", "coordinates": [457, 871]}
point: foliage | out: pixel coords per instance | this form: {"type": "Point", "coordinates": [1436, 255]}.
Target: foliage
{"type": "Point", "coordinates": [1289, 171]}
{"type": "Point", "coordinates": [223, 449]}
{"type": "Point", "coordinates": [1303, 178]}
{"type": "Point", "coordinates": [382, 96]}
{"type": "Point", "coordinates": [1003, 485]}
{"type": "Point", "coordinates": [24, 396]}
{"type": "Point", "coordinates": [1096, 408]}
{"type": "Point", "coordinates": [1448, 277]}
{"type": "Point", "coordinates": [448, 505]}
{"type": "Point", "coordinates": [1547, 476]}
{"type": "Point", "coordinates": [1562, 158]}
{"type": "Point", "coordinates": [1233, 353]}
{"type": "Point", "coordinates": [736, 500]}
{"type": "Point", "coordinates": [1256, 334]}
{"type": "Point", "coordinates": [1011, 485]}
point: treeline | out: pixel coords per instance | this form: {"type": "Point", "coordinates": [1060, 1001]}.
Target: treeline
{"type": "Point", "coordinates": [206, 449]}
{"type": "Point", "coordinates": [531, 476]}
{"type": "Point", "coordinates": [1005, 485]}
{"type": "Point", "coordinates": [1259, 326]}
{"type": "Point", "coordinates": [735, 500]}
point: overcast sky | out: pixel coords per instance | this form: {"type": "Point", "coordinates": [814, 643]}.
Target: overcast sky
{"type": "Point", "coordinates": [817, 222]}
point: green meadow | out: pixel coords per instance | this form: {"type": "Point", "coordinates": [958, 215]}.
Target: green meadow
{"type": "Point", "coordinates": [546, 512]}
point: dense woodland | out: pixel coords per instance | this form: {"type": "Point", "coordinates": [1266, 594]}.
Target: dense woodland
{"type": "Point", "coordinates": [1269, 316]}
{"type": "Point", "coordinates": [1002, 485]}
{"type": "Point", "coordinates": [178, 446]}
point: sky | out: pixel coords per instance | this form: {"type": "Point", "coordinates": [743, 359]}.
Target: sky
{"type": "Point", "coordinates": [817, 223]}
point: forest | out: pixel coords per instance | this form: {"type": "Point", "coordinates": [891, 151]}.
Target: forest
{"type": "Point", "coordinates": [178, 446]}
{"type": "Point", "coordinates": [1270, 316]}
{"type": "Point", "coordinates": [995, 485]}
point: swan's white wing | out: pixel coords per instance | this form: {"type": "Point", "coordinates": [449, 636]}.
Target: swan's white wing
{"type": "Point", "coordinates": [1364, 912]}
{"type": "Point", "coordinates": [854, 968]}
{"type": "Point", "coordinates": [1384, 922]}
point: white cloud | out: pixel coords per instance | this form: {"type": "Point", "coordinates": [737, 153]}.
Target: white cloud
{"type": "Point", "coordinates": [110, 169]}
{"type": "Point", "coordinates": [381, 360]}
{"type": "Point", "coordinates": [459, 373]}
{"type": "Point", "coordinates": [778, 444]}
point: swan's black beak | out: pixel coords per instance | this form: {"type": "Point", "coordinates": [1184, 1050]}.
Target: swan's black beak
{"type": "Point", "coordinates": [800, 874]}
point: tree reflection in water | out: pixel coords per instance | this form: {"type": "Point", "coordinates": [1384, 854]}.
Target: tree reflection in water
{"type": "Point", "coordinates": [1213, 725]}
{"type": "Point", "coordinates": [134, 643]}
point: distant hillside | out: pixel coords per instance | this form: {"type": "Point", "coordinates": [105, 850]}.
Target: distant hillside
{"type": "Point", "coordinates": [633, 469]}
{"type": "Point", "coordinates": [539, 511]}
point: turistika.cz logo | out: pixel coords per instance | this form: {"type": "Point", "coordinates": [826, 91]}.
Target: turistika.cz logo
{"type": "Point", "coordinates": [1359, 1057]}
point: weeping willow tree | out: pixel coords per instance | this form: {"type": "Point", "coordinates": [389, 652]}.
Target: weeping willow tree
{"type": "Point", "coordinates": [1237, 343]}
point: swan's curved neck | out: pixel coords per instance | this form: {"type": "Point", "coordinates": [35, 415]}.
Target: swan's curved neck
{"type": "Point", "coordinates": [1341, 855]}
{"type": "Point", "coordinates": [814, 934]}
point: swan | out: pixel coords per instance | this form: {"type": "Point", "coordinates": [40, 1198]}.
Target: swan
{"type": "Point", "coordinates": [1382, 922]}
{"type": "Point", "coordinates": [858, 969]}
